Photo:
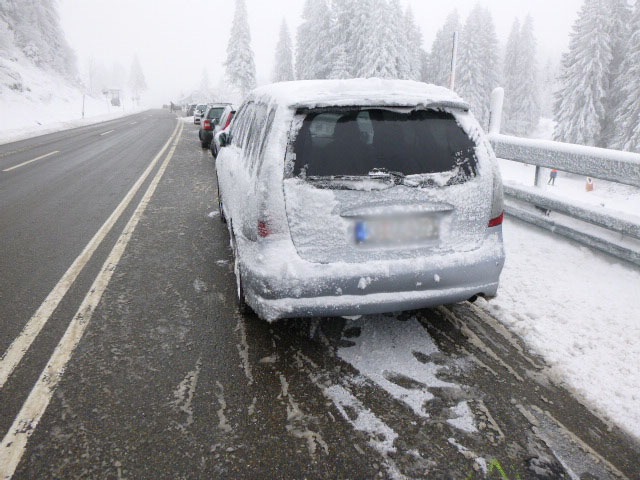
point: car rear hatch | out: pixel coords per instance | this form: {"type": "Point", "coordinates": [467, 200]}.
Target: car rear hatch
{"type": "Point", "coordinates": [382, 183]}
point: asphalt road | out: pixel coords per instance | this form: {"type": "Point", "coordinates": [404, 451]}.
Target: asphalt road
{"type": "Point", "coordinates": [159, 376]}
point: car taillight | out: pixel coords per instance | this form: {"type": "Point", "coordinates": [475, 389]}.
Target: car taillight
{"type": "Point", "coordinates": [263, 229]}
{"type": "Point", "coordinates": [207, 125]}
{"type": "Point", "coordinates": [494, 222]}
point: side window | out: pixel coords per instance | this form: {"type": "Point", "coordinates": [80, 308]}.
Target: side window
{"type": "Point", "coordinates": [267, 130]}
{"type": "Point", "coordinates": [236, 127]}
{"type": "Point", "coordinates": [256, 134]}
{"type": "Point", "coordinates": [245, 125]}
{"type": "Point", "coordinates": [264, 138]}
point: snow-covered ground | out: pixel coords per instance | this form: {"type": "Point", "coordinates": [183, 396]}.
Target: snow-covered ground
{"type": "Point", "coordinates": [33, 103]}
{"type": "Point", "coordinates": [573, 305]}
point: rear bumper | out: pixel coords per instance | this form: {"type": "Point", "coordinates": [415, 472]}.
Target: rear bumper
{"type": "Point", "coordinates": [276, 288]}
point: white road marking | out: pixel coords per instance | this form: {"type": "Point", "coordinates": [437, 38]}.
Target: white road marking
{"type": "Point", "coordinates": [31, 161]}
{"type": "Point", "coordinates": [15, 441]}
{"type": "Point", "coordinates": [133, 123]}
{"type": "Point", "coordinates": [106, 133]}
{"type": "Point", "coordinates": [21, 344]}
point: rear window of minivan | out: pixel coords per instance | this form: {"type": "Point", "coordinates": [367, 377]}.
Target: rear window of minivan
{"type": "Point", "coordinates": [356, 142]}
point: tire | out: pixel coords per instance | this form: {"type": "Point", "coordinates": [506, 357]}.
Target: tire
{"type": "Point", "coordinates": [223, 219]}
{"type": "Point", "coordinates": [204, 144]}
{"type": "Point", "coordinates": [240, 301]}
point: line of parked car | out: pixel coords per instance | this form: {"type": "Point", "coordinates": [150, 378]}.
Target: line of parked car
{"type": "Point", "coordinates": [354, 197]}
{"type": "Point", "coordinates": [213, 118]}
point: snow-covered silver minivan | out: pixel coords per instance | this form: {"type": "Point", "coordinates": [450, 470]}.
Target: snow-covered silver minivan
{"type": "Point", "coordinates": [350, 197]}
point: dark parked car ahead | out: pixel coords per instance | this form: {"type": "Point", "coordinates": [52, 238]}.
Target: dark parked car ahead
{"type": "Point", "coordinates": [209, 121]}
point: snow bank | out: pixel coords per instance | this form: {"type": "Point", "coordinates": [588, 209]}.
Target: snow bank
{"type": "Point", "coordinates": [35, 102]}
{"type": "Point", "coordinates": [577, 309]}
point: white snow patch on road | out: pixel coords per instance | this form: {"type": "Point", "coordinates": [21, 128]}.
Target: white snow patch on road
{"type": "Point", "coordinates": [384, 350]}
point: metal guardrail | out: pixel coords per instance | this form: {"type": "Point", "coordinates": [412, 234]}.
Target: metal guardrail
{"type": "Point", "coordinates": [611, 165]}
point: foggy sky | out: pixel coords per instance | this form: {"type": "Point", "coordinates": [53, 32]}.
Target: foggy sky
{"type": "Point", "coordinates": [176, 39]}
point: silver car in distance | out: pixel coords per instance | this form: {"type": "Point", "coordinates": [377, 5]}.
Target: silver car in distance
{"type": "Point", "coordinates": [350, 197]}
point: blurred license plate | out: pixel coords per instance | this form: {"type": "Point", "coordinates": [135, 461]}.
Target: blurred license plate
{"type": "Point", "coordinates": [397, 230]}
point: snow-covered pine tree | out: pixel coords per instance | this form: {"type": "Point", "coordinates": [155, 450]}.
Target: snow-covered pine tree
{"type": "Point", "coordinates": [283, 69]}
{"type": "Point", "coordinates": [529, 95]}
{"type": "Point", "coordinates": [628, 118]}
{"type": "Point", "coordinates": [547, 85]}
{"type": "Point", "coordinates": [400, 39]}
{"type": "Point", "coordinates": [313, 41]}
{"type": "Point", "coordinates": [414, 50]}
{"type": "Point", "coordinates": [204, 90]}
{"type": "Point", "coordinates": [522, 103]}
{"type": "Point", "coordinates": [584, 79]}
{"type": "Point", "coordinates": [511, 77]}
{"type": "Point", "coordinates": [240, 65]}
{"type": "Point", "coordinates": [7, 37]}
{"type": "Point", "coordinates": [379, 52]}
{"type": "Point", "coordinates": [619, 38]}
{"type": "Point", "coordinates": [477, 65]}
{"type": "Point", "coordinates": [439, 70]}
{"type": "Point", "coordinates": [137, 82]}
{"type": "Point", "coordinates": [33, 26]}
{"type": "Point", "coordinates": [340, 68]}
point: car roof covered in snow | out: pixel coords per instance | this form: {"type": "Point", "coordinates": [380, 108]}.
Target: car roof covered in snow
{"type": "Point", "coordinates": [358, 92]}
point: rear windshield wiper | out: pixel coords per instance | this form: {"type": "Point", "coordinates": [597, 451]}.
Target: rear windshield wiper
{"type": "Point", "coordinates": [398, 178]}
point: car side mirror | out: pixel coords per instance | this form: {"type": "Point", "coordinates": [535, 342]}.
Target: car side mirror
{"type": "Point", "coordinates": [225, 139]}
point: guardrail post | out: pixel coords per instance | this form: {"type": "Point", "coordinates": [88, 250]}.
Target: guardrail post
{"type": "Point", "coordinates": [495, 110]}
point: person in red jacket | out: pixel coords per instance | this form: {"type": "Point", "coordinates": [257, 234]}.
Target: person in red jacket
{"type": "Point", "coordinates": [552, 177]}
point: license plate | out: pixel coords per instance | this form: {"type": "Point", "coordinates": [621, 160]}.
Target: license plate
{"type": "Point", "coordinates": [397, 230]}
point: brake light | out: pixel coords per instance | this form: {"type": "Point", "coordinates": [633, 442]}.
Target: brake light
{"type": "Point", "coordinates": [494, 222]}
{"type": "Point", "coordinates": [264, 230]}
{"type": "Point", "coordinates": [207, 125]}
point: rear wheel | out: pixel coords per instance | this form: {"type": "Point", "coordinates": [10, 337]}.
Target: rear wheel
{"type": "Point", "coordinates": [242, 305]}
{"type": "Point", "coordinates": [223, 219]}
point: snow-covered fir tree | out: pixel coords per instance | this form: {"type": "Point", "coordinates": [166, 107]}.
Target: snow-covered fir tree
{"type": "Point", "coordinates": [547, 85]}
{"type": "Point", "coordinates": [283, 69]}
{"type": "Point", "coordinates": [399, 40]}
{"type": "Point", "coordinates": [579, 108]}
{"type": "Point", "coordinates": [619, 33]}
{"type": "Point", "coordinates": [314, 45]}
{"type": "Point", "coordinates": [240, 64]}
{"type": "Point", "coordinates": [358, 38]}
{"type": "Point", "coordinates": [340, 68]}
{"type": "Point", "coordinates": [33, 27]}
{"type": "Point", "coordinates": [137, 82]}
{"type": "Point", "coordinates": [377, 42]}
{"type": "Point", "coordinates": [628, 117]}
{"type": "Point", "coordinates": [477, 65]}
{"type": "Point", "coordinates": [511, 81]}
{"type": "Point", "coordinates": [348, 18]}
{"type": "Point", "coordinates": [412, 41]}
{"type": "Point", "coordinates": [522, 103]}
{"type": "Point", "coordinates": [442, 49]}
